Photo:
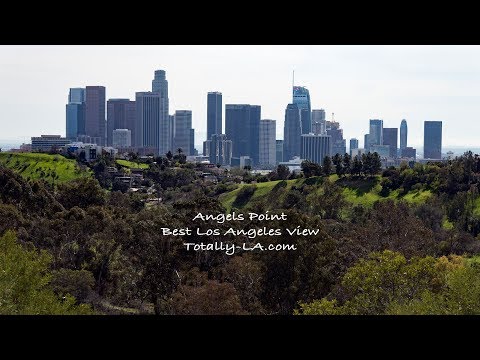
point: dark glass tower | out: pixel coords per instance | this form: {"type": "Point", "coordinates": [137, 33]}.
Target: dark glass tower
{"type": "Point", "coordinates": [403, 134]}
{"type": "Point", "coordinates": [121, 114]}
{"type": "Point", "coordinates": [292, 132]}
{"type": "Point", "coordinates": [214, 114]}
{"type": "Point", "coordinates": [242, 126]}
{"type": "Point", "coordinates": [301, 97]}
{"type": "Point", "coordinates": [95, 112]}
{"type": "Point", "coordinates": [390, 137]}
{"type": "Point", "coordinates": [432, 140]}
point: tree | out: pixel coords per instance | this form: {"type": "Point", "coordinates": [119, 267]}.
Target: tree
{"type": "Point", "coordinates": [310, 168]}
{"type": "Point", "coordinates": [372, 285]}
{"type": "Point", "coordinates": [82, 192]}
{"type": "Point", "coordinates": [283, 172]}
{"type": "Point", "coordinates": [338, 162]}
{"type": "Point", "coordinates": [24, 283]}
{"type": "Point", "coordinates": [327, 165]}
{"type": "Point", "coordinates": [169, 155]}
{"type": "Point", "coordinates": [357, 166]}
{"type": "Point", "coordinates": [347, 164]}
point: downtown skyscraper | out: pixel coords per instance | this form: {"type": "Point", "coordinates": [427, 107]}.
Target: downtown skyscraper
{"type": "Point", "coordinates": [432, 140]}
{"type": "Point", "coordinates": [183, 130]}
{"type": "Point", "coordinates": [268, 150]}
{"type": "Point", "coordinates": [121, 114]}
{"type": "Point", "coordinates": [214, 114]}
{"type": "Point", "coordinates": [95, 113]}
{"type": "Point", "coordinates": [403, 134]}
{"type": "Point", "coordinates": [75, 113]}
{"type": "Point", "coordinates": [301, 97]}
{"type": "Point", "coordinates": [292, 132]}
{"type": "Point", "coordinates": [242, 126]}
{"type": "Point", "coordinates": [390, 138]}
{"type": "Point", "coordinates": [165, 130]}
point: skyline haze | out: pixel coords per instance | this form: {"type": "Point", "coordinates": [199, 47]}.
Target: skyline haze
{"type": "Point", "coordinates": [357, 83]}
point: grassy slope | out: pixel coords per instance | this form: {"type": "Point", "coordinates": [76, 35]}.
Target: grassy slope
{"type": "Point", "coordinates": [131, 164]}
{"type": "Point", "coordinates": [31, 166]}
{"type": "Point", "coordinates": [364, 192]}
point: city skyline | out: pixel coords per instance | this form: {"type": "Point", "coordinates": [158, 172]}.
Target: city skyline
{"type": "Point", "coordinates": [357, 83]}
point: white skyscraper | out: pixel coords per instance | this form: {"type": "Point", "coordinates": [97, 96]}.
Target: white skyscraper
{"type": "Point", "coordinates": [267, 154]}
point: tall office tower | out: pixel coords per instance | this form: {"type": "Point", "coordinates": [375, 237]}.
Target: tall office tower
{"type": "Point", "coordinates": [375, 136]}
{"type": "Point", "coordinates": [218, 149]}
{"type": "Point", "coordinates": [268, 145]}
{"type": "Point", "coordinates": [121, 138]}
{"type": "Point", "coordinates": [76, 95]}
{"type": "Point", "coordinates": [353, 145]}
{"type": "Point", "coordinates": [75, 113]}
{"type": "Point", "coordinates": [390, 137]}
{"type": "Point", "coordinates": [403, 134]}
{"type": "Point", "coordinates": [318, 122]}
{"type": "Point", "coordinates": [121, 114]}
{"type": "Point", "coordinates": [147, 129]}
{"type": "Point", "coordinates": [95, 112]}
{"type": "Point", "coordinates": [279, 152]}
{"type": "Point", "coordinates": [301, 97]}
{"type": "Point", "coordinates": [160, 86]}
{"type": "Point", "coordinates": [75, 120]}
{"type": "Point", "coordinates": [292, 130]}
{"type": "Point", "coordinates": [432, 140]}
{"type": "Point", "coordinates": [315, 147]}
{"type": "Point", "coordinates": [214, 114]}
{"type": "Point", "coordinates": [339, 144]}
{"type": "Point", "coordinates": [242, 126]}
{"type": "Point", "coordinates": [171, 120]}
{"type": "Point", "coordinates": [183, 127]}
{"type": "Point", "coordinates": [366, 143]}
{"type": "Point", "coordinates": [192, 142]}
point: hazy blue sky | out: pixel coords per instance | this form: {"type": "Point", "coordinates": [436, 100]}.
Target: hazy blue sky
{"type": "Point", "coordinates": [356, 83]}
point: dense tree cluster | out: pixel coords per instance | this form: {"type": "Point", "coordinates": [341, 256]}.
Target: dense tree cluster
{"type": "Point", "coordinates": [87, 247]}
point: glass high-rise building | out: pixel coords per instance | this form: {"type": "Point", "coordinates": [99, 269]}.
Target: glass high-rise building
{"type": "Point", "coordinates": [160, 86]}
{"type": "Point", "coordinates": [292, 131]}
{"type": "Point", "coordinates": [183, 127]}
{"type": "Point", "coordinates": [121, 114]}
{"type": "Point", "coordinates": [403, 134]}
{"type": "Point", "coordinates": [390, 137]}
{"type": "Point", "coordinates": [339, 144]}
{"type": "Point", "coordinates": [315, 147]}
{"type": "Point", "coordinates": [432, 140]}
{"type": "Point", "coordinates": [218, 149]}
{"type": "Point", "coordinates": [353, 145]}
{"type": "Point", "coordinates": [214, 114]}
{"type": "Point", "coordinates": [95, 113]}
{"type": "Point", "coordinates": [318, 122]}
{"type": "Point", "coordinates": [375, 136]}
{"type": "Point", "coordinates": [267, 154]}
{"type": "Point", "coordinates": [301, 97]}
{"type": "Point", "coordinates": [147, 129]}
{"type": "Point", "coordinates": [279, 152]}
{"type": "Point", "coordinates": [242, 126]}
{"type": "Point", "coordinates": [76, 95]}
{"type": "Point", "coordinates": [75, 113]}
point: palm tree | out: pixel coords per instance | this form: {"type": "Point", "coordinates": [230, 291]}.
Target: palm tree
{"type": "Point", "coordinates": [180, 151]}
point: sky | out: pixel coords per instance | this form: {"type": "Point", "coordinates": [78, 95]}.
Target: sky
{"type": "Point", "coordinates": [356, 83]}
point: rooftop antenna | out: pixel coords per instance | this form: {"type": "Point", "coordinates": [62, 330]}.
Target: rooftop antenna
{"type": "Point", "coordinates": [293, 80]}
{"type": "Point", "coordinates": [333, 117]}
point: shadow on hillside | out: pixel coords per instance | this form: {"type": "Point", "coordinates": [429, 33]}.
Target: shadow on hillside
{"type": "Point", "coordinates": [361, 186]}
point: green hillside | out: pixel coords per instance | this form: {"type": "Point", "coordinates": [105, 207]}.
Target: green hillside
{"type": "Point", "coordinates": [131, 164]}
{"type": "Point", "coordinates": [51, 168]}
{"type": "Point", "coordinates": [358, 192]}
